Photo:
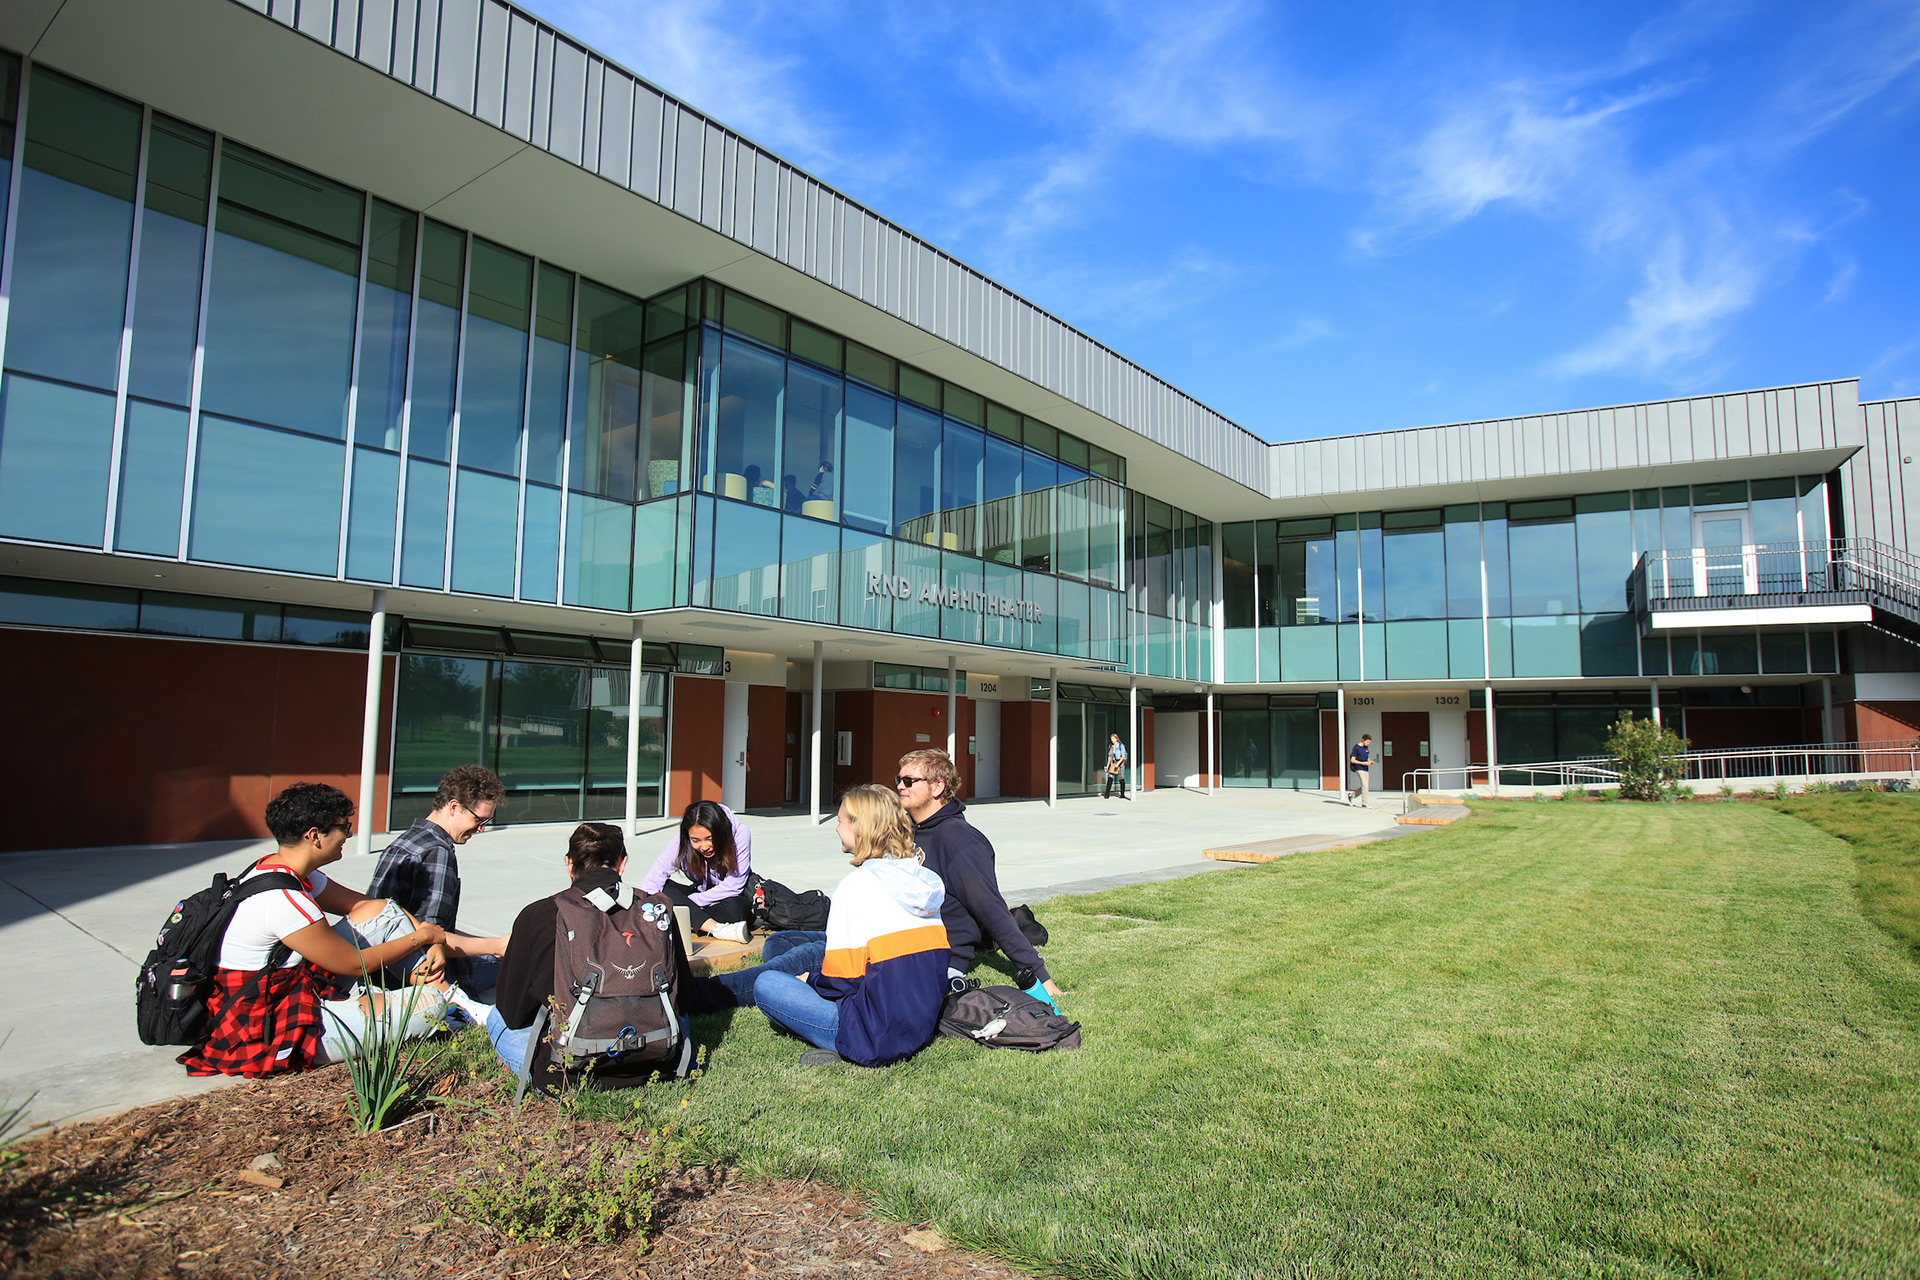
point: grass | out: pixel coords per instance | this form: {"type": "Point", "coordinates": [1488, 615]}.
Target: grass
{"type": "Point", "coordinates": [1884, 830]}
{"type": "Point", "coordinates": [1598, 1040]}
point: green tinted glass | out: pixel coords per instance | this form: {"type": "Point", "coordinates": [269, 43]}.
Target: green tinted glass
{"type": "Point", "coordinates": [390, 249]}
{"type": "Point", "coordinates": [869, 366]}
{"type": "Point", "coordinates": [78, 133]}
{"type": "Point", "coordinates": [179, 168]}
{"type": "Point", "coordinates": [553, 313]}
{"type": "Point", "coordinates": [290, 194]}
{"type": "Point", "coordinates": [922, 388]}
{"type": "Point", "coordinates": [501, 285]}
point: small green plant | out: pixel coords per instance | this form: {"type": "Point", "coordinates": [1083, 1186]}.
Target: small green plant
{"type": "Point", "coordinates": [1683, 792]}
{"type": "Point", "coordinates": [1819, 789]}
{"type": "Point", "coordinates": [1651, 757]}
{"type": "Point", "coordinates": [554, 1185]}
{"type": "Point", "coordinates": [1726, 791]}
{"type": "Point", "coordinates": [1574, 792]}
{"type": "Point", "coordinates": [1779, 791]}
{"type": "Point", "coordinates": [1539, 795]}
{"type": "Point", "coordinates": [381, 1065]}
{"type": "Point", "coordinates": [12, 1116]}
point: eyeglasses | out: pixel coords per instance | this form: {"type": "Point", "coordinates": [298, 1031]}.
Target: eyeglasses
{"type": "Point", "coordinates": [479, 821]}
{"type": "Point", "coordinates": [907, 780]}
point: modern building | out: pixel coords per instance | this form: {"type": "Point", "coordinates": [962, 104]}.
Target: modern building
{"type": "Point", "coordinates": [390, 384]}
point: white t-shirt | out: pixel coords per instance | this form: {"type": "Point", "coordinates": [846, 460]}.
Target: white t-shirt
{"type": "Point", "coordinates": [264, 919]}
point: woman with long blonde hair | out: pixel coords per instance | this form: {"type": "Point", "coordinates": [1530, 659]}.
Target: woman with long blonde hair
{"type": "Point", "coordinates": [874, 995]}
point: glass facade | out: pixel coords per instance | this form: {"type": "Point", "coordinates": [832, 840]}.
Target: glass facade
{"type": "Point", "coordinates": [1397, 595]}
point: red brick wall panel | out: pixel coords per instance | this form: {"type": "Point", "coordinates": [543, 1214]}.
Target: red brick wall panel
{"type": "Point", "coordinates": [766, 746]}
{"type": "Point", "coordinates": [698, 739]}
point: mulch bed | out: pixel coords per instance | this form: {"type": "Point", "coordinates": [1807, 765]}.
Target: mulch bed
{"type": "Point", "coordinates": [163, 1191]}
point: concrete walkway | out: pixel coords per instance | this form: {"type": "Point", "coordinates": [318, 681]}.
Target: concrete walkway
{"type": "Point", "coordinates": [75, 923]}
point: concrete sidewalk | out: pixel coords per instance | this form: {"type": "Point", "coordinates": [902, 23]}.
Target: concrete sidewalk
{"type": "Point", "coordinates": [75, 923]}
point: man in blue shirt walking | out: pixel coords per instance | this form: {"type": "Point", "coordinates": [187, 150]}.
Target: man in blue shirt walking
{"type": "Point", "coordinates": [1360, 761]}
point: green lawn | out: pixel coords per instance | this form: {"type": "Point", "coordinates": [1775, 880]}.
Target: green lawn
{"type": "Point", "coordinates": [1553, 1040]}
{"type": "Point", "coordinates": [1884, 830]}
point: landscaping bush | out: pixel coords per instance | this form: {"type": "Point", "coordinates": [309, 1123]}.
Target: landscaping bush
{"type": "Point", "coordinates": [1650, 758]}
{"type": "Point", "coordinates": [572, 1181]}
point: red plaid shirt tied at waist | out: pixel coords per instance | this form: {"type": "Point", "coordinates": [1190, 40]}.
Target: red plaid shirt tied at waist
{"type": "Point", "coordinates": [272, 1028]}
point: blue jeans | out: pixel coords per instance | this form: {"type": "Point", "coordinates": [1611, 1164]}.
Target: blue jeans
{"type": "Point", "coordinates": [792, 951]}
{"type": "Point", "coordinates": [792, 1004]}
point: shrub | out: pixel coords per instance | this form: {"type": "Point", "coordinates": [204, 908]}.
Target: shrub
{"type": "Point", "coordinates": [1649, 756]}
{"type": "Point", "coordinates": [1683, 792]}
{"type": "Point", "coordinates": [1779, 791]}
{"type": "Point", "coordinates": [1575, 792]}
{"type": "Point", "coordinates": [380, 1065]}
{"type": "Point", "coordinates": [571, 1182]}
{"type": "Point", "coordinates": [1726, 790]}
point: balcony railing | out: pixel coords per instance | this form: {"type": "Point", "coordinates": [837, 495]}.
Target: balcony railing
{"type": "Point", "coordinates": [1824, 572]}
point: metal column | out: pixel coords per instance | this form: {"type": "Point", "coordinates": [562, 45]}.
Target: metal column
{"type": "Point", "coordinates": [1133, 735]}
{"type": "Point", "coordinates": [953, 727]}
{"type": "Point", "coordinates": [813, 781]}
{"type": "Point", "coordinates": [1493, 746]}
{"type": "Point", "coordinates": [1656, 702]}
{"type": "Point", "coordinates": [1208, 730]}
{"type": "Point", "coordinates": [634, 676]}
{"type": "Point", "coordinates": [1826, 710]}
{"type": "Point", "coordinates": [370, 723]}
{"type": "Point", "coordinates": [1053, 736]}
{"type": "Point", "coordinates": [1340, 736]}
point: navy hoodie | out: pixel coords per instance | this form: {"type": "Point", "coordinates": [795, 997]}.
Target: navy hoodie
{"type": "Point", "coordinates": [973, 910]}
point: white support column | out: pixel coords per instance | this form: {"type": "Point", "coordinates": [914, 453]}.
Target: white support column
{"type": "Point", "coordinates": [1340, 737]}
{"type": "Point", "coordinates": [1207, 729]}
{"type": "Point", "coordinates": [1656, 702]}
{"type": "Point", "coordinates": [1826, 709]}
{"type": "Point", "coordinates": [813, 780]}
{"type": "Point", "coordinates": [370, 722]}
{"type": "Point", "coordinates": [1493, 746]}
{"type": "Point", "coordinates": [953, 725]}
{"type": "Point", "coordinates": [634, 677]}
{"type": "Point", "coordinates": [1053, 737]}
{"type": "Point", "coordinates": [1133, 736]}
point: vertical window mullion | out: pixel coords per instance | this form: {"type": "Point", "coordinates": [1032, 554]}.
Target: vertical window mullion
{"type": "Point", "coordinates": [406, 398]}
{"type": "Point", "coordinates": [13, 204]}
{"type": "Point", "coordinates": [112, 525]}
{"type": "Point", "coordinates": [459, 388]}
{"type": "Point", "coordinates": [353, 385]}
{"type": "Point", "coordinates": [200, 345]}
{"type": "Point", "coordinates": [526, 417]}
{"type": "Point", "coordinates": [566, 447]}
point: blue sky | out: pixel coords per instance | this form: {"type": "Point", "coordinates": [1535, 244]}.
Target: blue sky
{"type": "Point", "coordinates": [1326, 218]}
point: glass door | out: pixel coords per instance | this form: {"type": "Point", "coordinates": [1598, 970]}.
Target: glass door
{"type": "Point", "coordinates": [1723, 554]}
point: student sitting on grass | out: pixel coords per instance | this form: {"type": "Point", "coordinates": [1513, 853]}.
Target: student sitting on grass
{"type": "Point", "coordinates": [874, 993]}
{"type": "Point", "coordinates": [596, 855]}
{"type": "Point", "coordinates": [714, 851]}
{"type": "Point", "coordinates": [275, 1006]}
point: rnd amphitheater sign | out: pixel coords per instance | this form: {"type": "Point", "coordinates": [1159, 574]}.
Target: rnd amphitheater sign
{"type": "Point", "coordinates": [885, 584]}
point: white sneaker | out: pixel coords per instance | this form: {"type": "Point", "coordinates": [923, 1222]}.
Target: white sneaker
{"type": "Point", "coordinates": [739, 931]}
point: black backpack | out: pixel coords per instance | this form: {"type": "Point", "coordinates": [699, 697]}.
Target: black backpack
{"type": "Point", "coordinates": [170, 991]}
{"type": "Point", "coordinates": [1006, 1018]}
{"type": "Point", "coordinates": [778, 907]}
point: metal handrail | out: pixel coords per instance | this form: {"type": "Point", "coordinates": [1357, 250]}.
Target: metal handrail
{"type": "Point", "coordinates": [1804, 760]}
{"type": "Point", "coordinates": [1815, 566]}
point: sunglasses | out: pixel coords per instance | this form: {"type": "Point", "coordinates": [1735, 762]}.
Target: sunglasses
{"type": "Point", "coordinates": [907, 780]}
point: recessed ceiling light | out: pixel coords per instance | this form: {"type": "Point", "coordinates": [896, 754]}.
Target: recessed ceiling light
{"type": "Point", "coordinates": [159, 575]}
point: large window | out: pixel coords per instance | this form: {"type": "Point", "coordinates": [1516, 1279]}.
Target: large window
{"type": "Point", "coordinates": [381, 397]}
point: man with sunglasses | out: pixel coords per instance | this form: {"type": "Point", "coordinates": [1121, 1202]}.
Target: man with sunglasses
{"type": "Point", "coordinates": [421, 872]}
{"type": "Point", "coordinates": [973, 911]}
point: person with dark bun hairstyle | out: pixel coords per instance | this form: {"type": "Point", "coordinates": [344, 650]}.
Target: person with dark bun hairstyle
{"type": "Point", "coordinates": [714, 851]}
{"type": "Point", "coordinates": [596, 856]}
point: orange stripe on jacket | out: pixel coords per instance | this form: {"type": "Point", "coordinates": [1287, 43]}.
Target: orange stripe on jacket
{"type": "Point", "coordinates": [851, 962]}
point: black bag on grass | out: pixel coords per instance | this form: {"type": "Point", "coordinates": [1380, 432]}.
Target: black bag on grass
{"type": "Point", "coordinates": [1036, 933]}
{"type": "Point", "coordinates": [777, 907]}
{"type": "Point", "coordinates": [1006, 1018]}
{"type": "Point", "coordinates": [170, 990]}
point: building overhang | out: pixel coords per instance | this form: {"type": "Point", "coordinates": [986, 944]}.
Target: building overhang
{"type": "Point", "coordinates": [1747, 618]}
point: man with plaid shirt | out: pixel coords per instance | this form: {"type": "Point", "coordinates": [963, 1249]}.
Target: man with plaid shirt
{"type": "Point", "coordinates": [421, 872]}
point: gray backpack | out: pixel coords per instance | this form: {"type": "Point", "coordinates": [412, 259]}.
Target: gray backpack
{"type": "Point", "coordinates": [1006, 1018]}
{"type": "Point", "coordinates": [614, 982]}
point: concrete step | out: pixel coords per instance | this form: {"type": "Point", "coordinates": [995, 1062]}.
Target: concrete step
{"type": "Point", "coordinates": [1268, 850]}
{"type": "Point", "coordinates": [1432, 817]}
{"type": "Point", "coordinates": [1437, 797]}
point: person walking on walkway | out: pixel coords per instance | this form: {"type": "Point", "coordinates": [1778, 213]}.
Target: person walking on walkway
{"type": "Point", "coordinates": [1361, 760]}
{"type": "Point", "coordinates": [929, 786]}
{"type": "Point", "coordinates": [1116, 768]}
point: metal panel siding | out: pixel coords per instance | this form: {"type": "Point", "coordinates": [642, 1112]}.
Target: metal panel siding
{"type": "Point", "coordinates": [346, 27]}
{"type": "Point", "coordinates": [316, 19]}
{"type": "Point", "coordinates": [426, 42]}
{"type": "Point", "coordinates": [569, 100]}
{"type": "Point", "coordinates": [542, 86]}
{"type": "Point", "coordinates": [376, 34]}
{"type": "Point", "coordinates": [459, 42]}
{"type": "Point", "coordinates": [522, 38]}
{"type": "Point", "coordinates": [712, 166]}
{"type": "Point", "coordinates": [616, 127]}
{"type": "Point", "coordinates": [590, 120]}
{"type": "Point", "coordinates": [765, 194]}
{"type": "Point", "coordinates": [258, 6]}
{"type": "Point", "coordinates": [490, 80]}
{"type": "Point", "coordinates": [689, 138]}
{"type": "Point", "coordinates": [644, 175]}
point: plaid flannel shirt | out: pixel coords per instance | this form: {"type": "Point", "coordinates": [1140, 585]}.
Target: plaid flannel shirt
{"type": "Point", "coordinates": [271, 1029]}
{"type": "Point", "coordinates": [420, 872]}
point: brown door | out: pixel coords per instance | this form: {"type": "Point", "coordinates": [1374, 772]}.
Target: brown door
{"type": "Point", "coordinates": [1403, 745]}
